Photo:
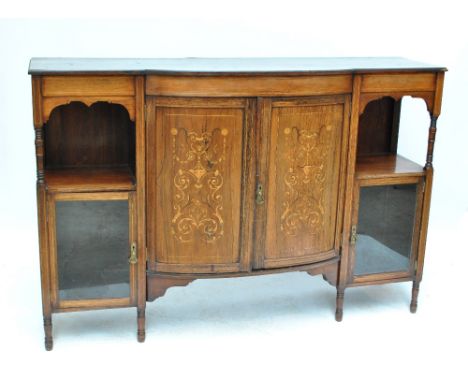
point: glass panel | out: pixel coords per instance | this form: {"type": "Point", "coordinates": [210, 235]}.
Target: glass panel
{"type": "Point", "coordinates": [92, 249]}
{"type": "Point", "coordinates": [385, 228]}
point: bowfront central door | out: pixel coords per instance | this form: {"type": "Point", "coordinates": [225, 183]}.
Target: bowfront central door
{"type": "Point", "coordinates": [210, 171]}
{"type": "Point", "coordinates": [196, 165]}
{"type": "Point", "coordinates": [302, 165]}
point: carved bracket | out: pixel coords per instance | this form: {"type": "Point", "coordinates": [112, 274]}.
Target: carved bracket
{"type": "Point", "coordinates": [158, 285]}
{"type": "Point", "coordinates": [428, 98]}
{"type": "Point", "coordinates": [50, 103]}
{"type": "Point", "coordinates": [329, 273]}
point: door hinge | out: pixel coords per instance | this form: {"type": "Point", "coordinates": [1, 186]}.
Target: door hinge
{"type": "Point", "coordinates": [133, 254]}
{"type": "Point", "coordinates": [353, 235]}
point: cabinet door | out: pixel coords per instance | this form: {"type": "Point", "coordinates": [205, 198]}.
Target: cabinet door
{"type": "Point", "coordinates": [302, 176]}
{"type": "Point", "coordinates": [385, 231]}
{"type": "Point", "coordinates": [91, 237]}
{"type": "Point", "coordinates": [195, 174]}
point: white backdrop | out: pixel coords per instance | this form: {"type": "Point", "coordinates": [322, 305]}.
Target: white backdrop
{"type": "Point", "coordinates": [273, 327]}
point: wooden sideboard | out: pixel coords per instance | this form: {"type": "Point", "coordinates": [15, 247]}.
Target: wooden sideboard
{"type": "Point", "coordinates": [152, 173]}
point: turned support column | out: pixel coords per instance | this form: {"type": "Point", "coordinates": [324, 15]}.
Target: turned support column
{"type": "Point", "coordinates": [431, 141]}
{"type": "Point", "coordinates": [39, 142]}
{"type": "Point", "coordinates": [141, 325]}
{"type": "Point", "coordinates": [339, 304]}
{"type": "Point", "coordinates": [48, 341]}
{"type": "Point", "coordinates": [427, 194]}
{"type": "Point", "coordinates": [414, 297]}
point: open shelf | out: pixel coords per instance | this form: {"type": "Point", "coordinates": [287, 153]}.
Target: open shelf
{"type": "Point", "coordinates": [386, 166]}
{"type": "Point", "coordinates": [90, 179]}
{"type": "Point", "coordinates": [378, 127]}
{"type": "Point", "coordinates": [89, 148]}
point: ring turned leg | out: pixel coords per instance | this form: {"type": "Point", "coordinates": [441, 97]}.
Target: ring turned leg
{"type": "Point", "coordinates": [339, 304]}
{"type": "Point", "coordinates": [414, 297]}
{"type": "Point", "coordinates": [48, 341]}
{"type": "Point", "coordinates": [141, 325]}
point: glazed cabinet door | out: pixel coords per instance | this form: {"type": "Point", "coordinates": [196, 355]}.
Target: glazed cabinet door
{"type": "Point", "coordinates": [196, 182]}
{"type": "Point", "coordinates": [92, 239]}
{"type": "Point", "coordinates": [385, 230]}
{"type": "Point", "coordinates": [300, 180]}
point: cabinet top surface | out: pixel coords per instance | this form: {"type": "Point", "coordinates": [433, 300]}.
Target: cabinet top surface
{"type": "Point", "coordinates": [224, 65]}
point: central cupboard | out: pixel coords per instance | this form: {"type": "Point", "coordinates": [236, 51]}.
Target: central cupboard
{"type": "Point", "coordinates": [238, 184]}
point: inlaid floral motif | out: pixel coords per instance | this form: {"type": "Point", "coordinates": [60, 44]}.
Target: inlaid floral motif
{"type": "Point", "coordinates": [307, 150]}
{"type": "Point", "coordinates": [198, 182]}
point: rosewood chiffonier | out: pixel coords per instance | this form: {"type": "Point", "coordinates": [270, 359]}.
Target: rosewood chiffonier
{"type": "Point", "coordinates": [152, 173]}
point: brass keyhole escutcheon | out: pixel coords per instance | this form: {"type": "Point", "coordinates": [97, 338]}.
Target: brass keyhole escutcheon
{"type": "Point", "coordinates": [133, 254]}
{"type": "Point", "coordinates": [353, 235]}
{"type": "Point", "coordinates": [259, 195]}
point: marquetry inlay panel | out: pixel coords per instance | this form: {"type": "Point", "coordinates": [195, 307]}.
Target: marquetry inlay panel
{"type": "Point", "coordinates": [198, 182]}
{"type": "Point", "coordinates": [306, 152]}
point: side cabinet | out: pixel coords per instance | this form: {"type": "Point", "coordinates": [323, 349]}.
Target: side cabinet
{"type": "Point", "coordinates": [302, 168]}
{"type": "Point", "coordinates": [386, 225]}
{"type": "Point", "coordinates": [92, 243]}
{"type": "Point", "coordinates": [197, 175]}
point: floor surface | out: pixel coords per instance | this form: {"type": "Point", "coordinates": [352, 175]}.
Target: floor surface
{"type": "Point", "coordinates": [277, 327]}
